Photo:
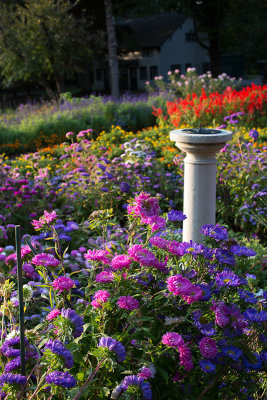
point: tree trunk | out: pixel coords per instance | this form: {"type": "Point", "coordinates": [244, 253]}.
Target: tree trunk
{"type": "Point", "coordinates": [112, 50]}
{"type": "Point", "coordinates": [214, 53]}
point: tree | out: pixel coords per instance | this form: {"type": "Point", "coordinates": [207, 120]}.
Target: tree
{"type": "Point", "coordinates": [41, 41]}
{"type": "Point", "coordinates": [112, 49]}
{"type": "Point", "coordinates": [209, 17]}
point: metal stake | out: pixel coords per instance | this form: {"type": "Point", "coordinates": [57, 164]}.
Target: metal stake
{"type": "Point", "coordinates": [20, 292]}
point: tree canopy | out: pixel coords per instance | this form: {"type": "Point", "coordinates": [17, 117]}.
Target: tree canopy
{"type": "Point", "coordinates": [42, 41]}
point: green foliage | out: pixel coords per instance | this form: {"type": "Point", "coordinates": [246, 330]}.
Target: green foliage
{"type": "Point", "coordinates": [35, 43]}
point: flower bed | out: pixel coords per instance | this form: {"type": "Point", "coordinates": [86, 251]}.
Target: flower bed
{"type": "Point", "coordinates": [133, 313]}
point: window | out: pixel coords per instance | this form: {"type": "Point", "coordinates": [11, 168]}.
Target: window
{"type": "Point", "coordinates": [143, 73]}
{"type": "Point", "coordinates": [190, 36]}
{"type": "Point", "coordinates": [176, 66]}
{"type": "Point", "coordinates": [153, 71]}
{"type": "Point", "coordinates": [99, 74]}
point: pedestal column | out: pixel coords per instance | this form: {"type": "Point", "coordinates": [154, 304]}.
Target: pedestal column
{"type": "Point", "coordinates": [199, 202]}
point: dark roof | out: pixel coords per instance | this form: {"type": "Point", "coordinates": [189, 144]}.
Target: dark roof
{"type": "Point", "coordinates": [150, 31]}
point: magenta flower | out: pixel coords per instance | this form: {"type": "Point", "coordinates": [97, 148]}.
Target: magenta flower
{"type": "Point", "coordinates": [45, 260]}
{"type": "Point", "coordinates": [46, 219]}
{"type": "Point", "coordinates": [53, 314]}
{"type": "Point", "coordinates": [178, 285]}
{"type": "Point", "coordinates": [208, 347]}
{"type": "Point", "coordinates": [100, 297]}
{"type": "Point", "coordinates": [128, 303]}
{"type": "Point", "coordinates": [121, 261]}
{"type": "Point", "coordinates": [144, 206]}
{"type": "Point", "coordinates": [104, 277]}
{"type": "Point", "coordinates": [172, 339]}
{"type": "Point", "coordinates": [185, 357]}
{"type": "Point", "coordinates": [98, 255]}
{"type": "Point", "coordinates": [63, 283]}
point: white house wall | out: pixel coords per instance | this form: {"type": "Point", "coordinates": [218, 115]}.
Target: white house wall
{"type": "Point", "coordinates": [176, 50]}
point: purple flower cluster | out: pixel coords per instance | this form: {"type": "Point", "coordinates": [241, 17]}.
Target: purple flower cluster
{"type": "Point", "coordinates": [134, 380]}
{"type": "Point", "coordinates": [181, 286]}
{"type": "Point", "coordinates": [113, 345]}
{"type": "Point", "coordinates": [75, 319]}
{"type": "Point", "coordinates": [12, 379]}
{"type": "Point", "coordinates": [215, 232]}
{"type": "Point", "coordinates": [57, 347]}
{"type": "Point", "coordinates": [63, 379]}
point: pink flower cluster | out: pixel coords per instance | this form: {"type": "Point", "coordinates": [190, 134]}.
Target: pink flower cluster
{"type": "Point", "coordinates": [128, 303]}
{"type": "Point", "coordinates": [105, 276]}
{"type": "Point", "coordinates": [53, 314]}
{"type": "Point", "coordinates": [100, 297]}
{"type": "Point", "coordinates": [63, 283]}
{"type": "Point", "coordinates": [46, 260]}
{"type": "Point", "coordinates": [121, 261]}
{"type": "Point", "coordinates": [46, 219]}
{"type": "Point", "coordinates": [173, 339]}
{"type": "Point", "coordinates": [225, 315]}
{"type": "Point", "coordinates": [181, 286]}
{"type": "Point", "coordinates": [147, 208]}
{"type": "Point", "coordinates": [145, 257]}
{"type": "Point", "coordinates": [208, 347]}
{"type": "Point", "coordinates": [98, 255]}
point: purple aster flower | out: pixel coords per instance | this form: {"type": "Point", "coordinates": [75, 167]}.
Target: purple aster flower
{"type": "Point", "coordinates": [228, 278]}
{"type": "Point", "coordinates": [134, 380]}
{"type": "Point", "coordinates": [101, 166]}
{"type": "Point", "coordinates": [9, 348]}
{"type": "Point", "coordinates": [252, 315]}
{"type": "Point", "coordinates": [57, 347]}
{"type": "Point", "coordinates": [63, 283]}
{"type": "Point", "coordinates": [254, 134]}
{"type": "Point", "coordinates": [76, 320]}
{"type": "Point", "coordinates": [115, 346]}
{"type": "Point", "coordinates": [215, 232]}
{"type": "Point", "coordinates": [63, 379]}
{"type": "Point", "coordinates": [12, 379]}
{"type": "Point", "coordinates": [207, 366]}
{"type": "Point", "coordinates": [175, 215]}
{"type": "Point", "coordinates": [242, 251]}
{"type": "Point", "coordinates": [255, 364]}
{"type": "Point", "coordinates": [128, 303]}
{"type": "Point", "coordinates": [205, 327]}
{"type": "Point", "coordinates": [247, 296]}
{"type": "Point", "coordinates": [232, 351]}
{"type": "Point", "coordinates": [124, 187]}
{"type": "Point", "coordinates": [13, 364]}
{"type": "Point", "coordinates": [224, 257]}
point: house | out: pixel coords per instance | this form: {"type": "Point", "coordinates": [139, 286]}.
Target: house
{"type": "Point", "coordinates": [151, 46]}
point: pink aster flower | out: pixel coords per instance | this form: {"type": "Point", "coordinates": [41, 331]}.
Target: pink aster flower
{"type": "Point", "coordinates": [102, 295]}
{"type": "Point", "coordinates": [128, 303]}
{"type": "Point", "coordinates": [98, 255]}
{"type": "Point", "coordinates": [185, 357]}
{"type": "Point", "coordinates": [178, 285]}
{"type": "Point", "coordinates": [172, 339]}
{"type": "Point", "coordinates": [142, 255]}
{"type": "Point", "coordinates": [144, 206]}
{"type": "Point", "coordinates": [156, 223]}
{"type": "Point", "coordinates": [63, 283]}
{"type": "Point", "coordinates": [147, 372]}
{"type": "Point", "coordinates": [46, 219]}
{"type": "Point", "coordinates": [105, 276]}
{"type": "Point", "coordinates": [121, 261]}
{"type": "Point", "coordinates": [192, 294]}
{"type": "Point", "coordinates": [208, 347]}
{"type": "Point", "coordinates": [47, 260]}
{"type": "Point", "coordinates": [53, 314]}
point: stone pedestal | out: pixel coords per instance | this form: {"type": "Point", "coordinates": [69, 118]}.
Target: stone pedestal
{"type": "Point", "coordinates": [199, 176]}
